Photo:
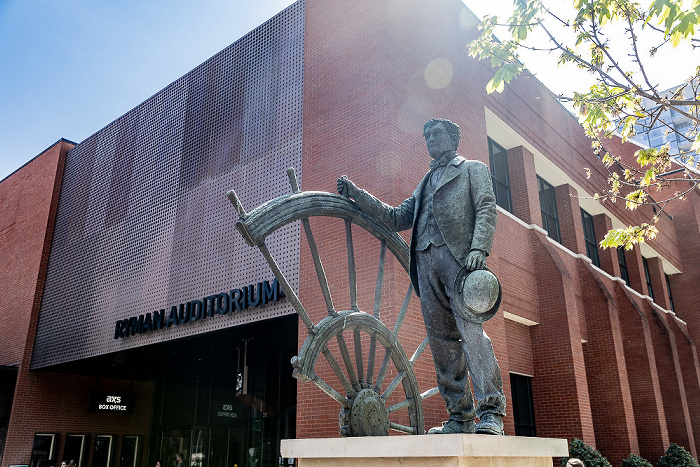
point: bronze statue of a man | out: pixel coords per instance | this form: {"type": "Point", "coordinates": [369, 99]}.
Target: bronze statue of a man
{"type": "Point", "coordinates": [453, 216]}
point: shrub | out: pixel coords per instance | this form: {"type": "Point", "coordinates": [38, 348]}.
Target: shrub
{"type": "Point", "coordinates": [676, 456]}
{"type": "Point", "coordinates": [635, 460]}
{"type": "Point", "coordinates": [588, 455]}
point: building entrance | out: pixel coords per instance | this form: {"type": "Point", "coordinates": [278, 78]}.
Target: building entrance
{"type": "Point", "coordinates": [215, 446]}
{"type": "Point", "coordinates": [234, 417]}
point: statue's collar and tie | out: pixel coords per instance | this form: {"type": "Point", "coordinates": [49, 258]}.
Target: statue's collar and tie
{"type": "Point", "coordinates": [442, 161]}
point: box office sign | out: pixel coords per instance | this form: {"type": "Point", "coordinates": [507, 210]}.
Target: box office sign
{"type": "Point", "coordinates": [220, 304]}
{"type": "Point", "coordinates": [231, 410]}
{"type": "Point", "coordinates": [111, 402]}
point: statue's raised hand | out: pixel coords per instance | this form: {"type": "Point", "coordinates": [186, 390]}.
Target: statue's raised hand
{"type": "Point", "coordinates": [346, 187]}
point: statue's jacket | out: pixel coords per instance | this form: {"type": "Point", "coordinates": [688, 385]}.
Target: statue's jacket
{"type": "Point", "coordinates": [464, 208]}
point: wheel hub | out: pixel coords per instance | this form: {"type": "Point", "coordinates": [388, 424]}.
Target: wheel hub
{"type": "Point", "coordinates": [368, 416]}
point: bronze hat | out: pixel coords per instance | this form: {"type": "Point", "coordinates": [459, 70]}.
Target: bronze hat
{"type": "Point", "coordinates": [478, 294]}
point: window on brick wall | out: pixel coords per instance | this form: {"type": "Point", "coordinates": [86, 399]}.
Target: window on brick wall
{"type": "Point", "coordinates": [670, 296]}
{"type": "Point", "coordinates": [589, 237]}
{"type": "Point", "coordinates": [499, 175]}
{"type": "Point", "coordinates": [548, 207]}
{"type": "Point", "coordinates": [523, 408]}
{"type": "Point", "coordinates": [623, 265]}
{"type": "Point", "coordinates": [648, 277]}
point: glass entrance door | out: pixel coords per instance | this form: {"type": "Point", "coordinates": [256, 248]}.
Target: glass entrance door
{"type": "Point", "coordinates": [220, 447]}
{"type": "Point", "coordinates": [237, 443]}
{"type": "Point", "coordinates": [234, 413]}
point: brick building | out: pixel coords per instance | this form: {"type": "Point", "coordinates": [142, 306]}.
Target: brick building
{"type": "Point", "coordinates": [134, 322]}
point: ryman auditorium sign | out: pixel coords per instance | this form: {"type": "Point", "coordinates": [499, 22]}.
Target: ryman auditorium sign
{"type": "Point", "coordinates": [194, 310]}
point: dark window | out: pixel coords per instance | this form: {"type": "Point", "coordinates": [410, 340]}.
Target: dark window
{"type": "Point", "coordinates": [499, 175]}
{"type": "Point", "coordinates": [623, 265]}
{"type": "Point", "coordinates": [523, 409]}
{"type": "Point", "coordinates": [589, 237]}
{"type": "Point", "coordinates": [548, 207]}
{"type": "Point", "coordinates": [648, 277]}
{"type": "Point", "coordinates": [670, 296]}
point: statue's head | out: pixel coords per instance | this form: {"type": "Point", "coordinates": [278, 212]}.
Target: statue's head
{"type": "Point", "coordinates": [451, 127]}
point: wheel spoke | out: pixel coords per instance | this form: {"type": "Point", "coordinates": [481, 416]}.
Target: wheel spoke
{"type": "Point", "coordinates": [291, 295]}
{"type": "Point", "coordinates": [382, 370]}
{"type": "Point", "coordinates": [370, 360]}
{"type": "Point", "coordinates": [328, 389]}
{"type": "Point", "coordinates": [319, 267]}
{"type": "Point", "coordinates": [394, 384]}
{"type": "Point", "coordinates": [402, 428]}
{"type": "Point", "coordinates": [380, 281]}
{"type": "Point", "coordinates": [401, 405]}
{"type": "Point", "coordinates": [419, 351]}
{"type": "Point", "coordinates": [338, 372]}
{"type": "Point", "coordinates": [404, 309]}
{"type": "Point", "coordinates": [352, 274]}
{"type": "Point", "coordinates": [292, 175]}
{"type": "Point", "coordinates": [348, 362]}
{"type": "Point", "coordinates": [430, 393]}
{"type": "Point", "coordinates": [358, 358]}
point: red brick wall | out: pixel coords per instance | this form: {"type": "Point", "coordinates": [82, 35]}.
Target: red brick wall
{"type": "Point", "coordinates": [58, 403]}
{"type": "Point", "coordinates": [570, 221]}
{"type": "Point", "coordinates": [512, 261]}
{"type": "Point", "coordinates": [690, 369]}
{"type": "Point", "coordinates": [520, 355]}
{"type": "Point", "coordinates": [643, 376]}
{"type": "Point", "coordinates": [672, 392]}
{"type": "Point", "coordinates": [366, 99]}
{"type": "Point", "coordinates": [27, 205]}
{"type": "Point", "coordinates": [46, 402]}
{"type": "Point", "coordinates": [560, 371]}
{"type": "Point", "coordinates": [609, 261]}
{"type": "Point", "coordinates": [606, 371]}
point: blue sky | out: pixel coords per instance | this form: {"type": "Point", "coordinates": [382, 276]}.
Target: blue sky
{"type": "Point", "coordinates": [70, 67]}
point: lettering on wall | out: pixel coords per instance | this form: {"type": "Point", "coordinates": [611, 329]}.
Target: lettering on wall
{"type": "Point", "coordinates": [111, 402]}
{"type": "Point", "coordinates": [236, 300]}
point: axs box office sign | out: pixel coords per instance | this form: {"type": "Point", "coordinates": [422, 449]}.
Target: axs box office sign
{"type": "Point", "coordinates": [111, 402]}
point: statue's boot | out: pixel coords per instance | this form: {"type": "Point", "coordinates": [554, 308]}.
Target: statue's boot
{"type": "Point", "coordinates": [453, 426]}
{"type": "Point", "coordinates": [490, 424]}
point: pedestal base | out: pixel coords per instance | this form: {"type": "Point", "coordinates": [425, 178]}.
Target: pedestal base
{"type": "Point", "coordinates": [456, 450]}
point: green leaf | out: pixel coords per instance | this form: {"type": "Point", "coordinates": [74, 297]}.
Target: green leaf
{"type": "Point", "coordinates": [635, 199]}
{"type": "Point", "coordinates": [503, 75]}
{"type": "Point", "coordinates": [628, 237]}
{"type": "Point", "coordinates": [696, 144]}
{"type": "Point", "coordinates": [649, 176]}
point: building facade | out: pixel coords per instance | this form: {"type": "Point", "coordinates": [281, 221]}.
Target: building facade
{"type": "Point", "coordinates": [669, 127]}
{"type": "Point", "coordinates": [144, 328]}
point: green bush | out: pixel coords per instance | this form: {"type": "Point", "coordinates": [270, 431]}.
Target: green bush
{"type": "Point", "coordinates": [588, 455]}
{"type": "Point", "coordinates": [676, 456]}
{"type": "Point", "coordinates": [636, 461]}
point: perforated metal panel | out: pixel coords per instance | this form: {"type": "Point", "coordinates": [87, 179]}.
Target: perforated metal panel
{"type": "Point", "coordinates": [143, 222]}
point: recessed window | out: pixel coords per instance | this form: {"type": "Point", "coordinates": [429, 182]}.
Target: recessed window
{"type": "Point", "coordinates": [498, 161]}
{"type": "Point", "coordinates": [623, 265]}
{"type": "Point", "coordinates": [75, 448]}
{"type": "Point", "coordinates": [670, 296]}
{"type": "Point", "coordinates": [102, 455]}
{"type": "Point", "coordinates": [523, 408]}
{"type": "Point", "coordinates": [648, 277]}
{"type": "Point", "coordinates": [548, 207]}
{"type": "Point", "coordinates": [43, 449]}
{"type": "Point", "coordinates": [589, 237]}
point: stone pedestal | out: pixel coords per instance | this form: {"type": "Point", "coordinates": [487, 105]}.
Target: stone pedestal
{"type": "Point", "coordinates": [456, 450]}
